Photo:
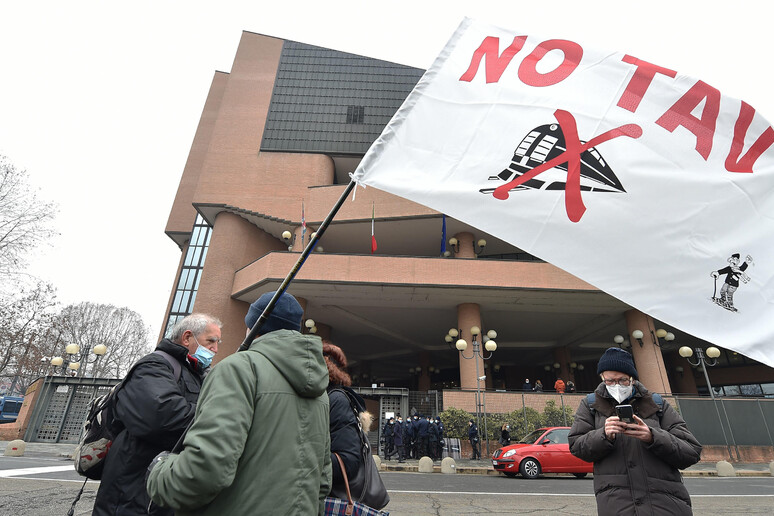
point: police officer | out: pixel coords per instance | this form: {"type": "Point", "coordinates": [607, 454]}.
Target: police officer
{"type": "Point", "coordinates": [432, 433]}
{"type": "Point", "coordinates": [439, 424]}
{"type": "Point", "coordinates": [388, 433]}
{"type": "Point", "coordinates": [473, 436]}
{"type": "Point", "coordinates": [398, 438]}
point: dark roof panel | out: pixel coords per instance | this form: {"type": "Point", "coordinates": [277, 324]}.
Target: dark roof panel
{"type": "Point", "coordinates": [332, 102]}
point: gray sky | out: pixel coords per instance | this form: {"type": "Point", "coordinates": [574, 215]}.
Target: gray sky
{"type": "Point", "coordinates": [99, 101]}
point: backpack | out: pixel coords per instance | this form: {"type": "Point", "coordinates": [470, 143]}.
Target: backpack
{"type": "Point", "coordinates": [657, 399]}
{"type": "Point", "coordinates": [101, 426]}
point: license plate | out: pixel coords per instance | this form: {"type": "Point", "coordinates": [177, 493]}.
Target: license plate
{"type": "Point", "coordinates": [494, 463]}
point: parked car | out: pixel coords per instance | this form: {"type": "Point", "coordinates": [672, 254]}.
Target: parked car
{"type": "Point", "coordinates": [546, 450]}
{"type": "Point", "coordinates": [9, 408]}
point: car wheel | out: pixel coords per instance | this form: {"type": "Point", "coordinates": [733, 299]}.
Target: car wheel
{"type": "Point", "coordinates": [580, 475]}
{"type": "Point", "coordinates": [509, 475]}
{"type": "Point", "coordinates": [529, 468]}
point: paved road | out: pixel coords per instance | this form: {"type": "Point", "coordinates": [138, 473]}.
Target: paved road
{"type": "Point", "coordinates": [38, 486]}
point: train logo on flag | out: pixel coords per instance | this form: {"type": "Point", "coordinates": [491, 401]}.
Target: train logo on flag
{"type": "Point", "coordinates": [545, 143]}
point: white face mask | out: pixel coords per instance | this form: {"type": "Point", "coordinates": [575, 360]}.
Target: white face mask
{"type": "Point", "coordinates": [619, 392]}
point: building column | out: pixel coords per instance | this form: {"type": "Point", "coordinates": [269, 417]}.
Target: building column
{"type": "Point", "coordinates": [298, 244]}
{"type": "Point", "coordinates": [647, 357]}
{"type": "Point", "coordinates": [562, 356]}
{"type": "Point", "coordinates": [469, 315]}
{"type": "Point", "coordinates": [685, 380]}
{"type": "Point", "coordinates": [465, 243]}
{"type": "Point", "coordinates": [423, 382]}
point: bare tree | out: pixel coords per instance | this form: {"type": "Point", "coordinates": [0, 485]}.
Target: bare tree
{"type": "Point", "coordinates": [25, 323]}
{"type": "Point", "coordinates": [24, 219]}
{"type": "Point", "coordinates": [121, 330]}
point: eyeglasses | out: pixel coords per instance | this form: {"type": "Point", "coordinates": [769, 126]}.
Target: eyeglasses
{"type": "Point", "coordinates": [622, 381]}
{"type": "Point", "coordinates": [214, 340]}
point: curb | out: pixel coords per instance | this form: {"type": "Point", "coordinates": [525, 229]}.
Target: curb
{"type": "Point", "coordinates": [473, 470]}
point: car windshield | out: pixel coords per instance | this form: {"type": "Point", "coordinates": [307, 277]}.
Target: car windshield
{"type": "Point", "coordinates": [532, 436]}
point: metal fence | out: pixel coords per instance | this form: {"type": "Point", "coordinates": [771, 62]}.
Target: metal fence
{"type": "Point", "coordinates": [730, 422]}
{"type": "Point", "coordinates": [62, 407]}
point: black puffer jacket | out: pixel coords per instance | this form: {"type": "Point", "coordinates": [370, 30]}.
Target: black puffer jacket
{"type": "Point", "coordinates": [630, 476]}
{"type": "Point", "coordinates": [345, 435]}
{"type": "Point", "coordinates": [155, 410]}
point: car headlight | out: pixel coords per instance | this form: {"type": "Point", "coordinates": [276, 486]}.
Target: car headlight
{"type": "Point", "coordinates": [509, 453]}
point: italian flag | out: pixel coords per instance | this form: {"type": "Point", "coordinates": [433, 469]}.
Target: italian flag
{"type": "Point", "coordinates": [373, 238]}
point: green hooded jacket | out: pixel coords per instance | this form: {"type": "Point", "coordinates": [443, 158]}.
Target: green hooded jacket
{"type": "Point", "coordinates": [260, 441]}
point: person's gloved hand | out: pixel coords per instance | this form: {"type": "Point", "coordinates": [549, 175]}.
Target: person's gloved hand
{"type": "Point", "coordinates": [158, 458]}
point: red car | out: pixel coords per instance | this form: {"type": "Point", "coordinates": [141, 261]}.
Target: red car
{"type": "Point", "coordinates": [546, 450]}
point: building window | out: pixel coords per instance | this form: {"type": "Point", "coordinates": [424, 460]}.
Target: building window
{"type": "Point", "coordinates": [190, 273]}
{"type": "Point", "coordinates": [355, 114]}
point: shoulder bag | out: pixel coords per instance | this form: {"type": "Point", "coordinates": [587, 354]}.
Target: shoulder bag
{"type": "Point", "coordinates": [349, 507]}
{"type": "Point", "coordinates": [367, 486]}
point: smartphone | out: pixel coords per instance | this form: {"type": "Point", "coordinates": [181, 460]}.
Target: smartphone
{"type": "Point", "coordinates": [625, 413]}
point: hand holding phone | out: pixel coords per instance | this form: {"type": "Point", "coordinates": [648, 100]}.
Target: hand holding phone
{"type": "Point", "coordinates": [625, 413]}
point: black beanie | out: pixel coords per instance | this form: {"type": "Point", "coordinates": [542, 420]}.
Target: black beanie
{"type": "Point", "coordinates": [617, 359]}
{"type": "Point", "coordinates": [286, 315]}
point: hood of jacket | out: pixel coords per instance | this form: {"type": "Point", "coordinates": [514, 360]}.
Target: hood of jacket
{"type": "Point", "coordinates": [297, 357]}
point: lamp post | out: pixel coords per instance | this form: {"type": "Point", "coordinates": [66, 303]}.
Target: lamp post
{"type": "Point", "coordinates": [702, 360]}
{"type": "Point", "coordinates": [75, 357]}
{"type": "Point", "coordinates": [490, 345]}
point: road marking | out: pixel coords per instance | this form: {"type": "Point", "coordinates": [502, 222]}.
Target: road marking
{"type": "Point", "coordinates": [565, 494]}
{"type": "Point", "coordinates": [34, 471]}
{"type": "Point", "coordinates": [488, 494]}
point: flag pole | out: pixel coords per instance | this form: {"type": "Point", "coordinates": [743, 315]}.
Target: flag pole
{"type": "Point", "coordinates": [292, 274]}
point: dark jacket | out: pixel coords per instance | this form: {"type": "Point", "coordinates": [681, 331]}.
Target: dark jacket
{"type": "Point", "coordinates": [422, 428]}
{"type": "Point", "coordinates": [408, 432]}
{"type": "Point", "coordinates": [433, 433]}
{"type": "Point", "coordinates": [630, 476]}
{"type": "Point", "coordinates": [154, 410]}
{"type": "Point", "coordinates": [473, 432]}
{"type": "Point", "coordinates": [260, 442]}
{"type": "Point", "coordinates": [398, 437]}
{"type": "Point", "coordinates": [345, 435]}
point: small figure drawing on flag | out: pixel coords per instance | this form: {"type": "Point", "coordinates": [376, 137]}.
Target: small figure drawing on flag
{"type": "Point", "coordinates": [734, 272]}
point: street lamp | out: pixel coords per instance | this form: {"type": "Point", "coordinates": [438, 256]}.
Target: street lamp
{"type": "Point", "coordinates": [75, 357]}
{"type": "Point", "coordinates": [490, 345]}
{"type": "Point", "coordinates": [702, 360]}
{"type": "Point", "coordinates": [286, 237]}
{"type": "Point", "coordinates": [660, 333]}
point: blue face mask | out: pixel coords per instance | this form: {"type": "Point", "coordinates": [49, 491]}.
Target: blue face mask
{"type": "Point", "coordinates": [203, 355]}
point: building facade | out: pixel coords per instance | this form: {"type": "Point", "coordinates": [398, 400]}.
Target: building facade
{"type": "Point", "coordinates": [276, 142]}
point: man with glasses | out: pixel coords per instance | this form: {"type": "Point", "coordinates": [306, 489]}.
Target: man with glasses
{"type": "Point", "coordinates": [636, 465]}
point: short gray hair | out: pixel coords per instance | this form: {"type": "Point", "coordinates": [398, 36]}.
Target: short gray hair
{"type": "Point", "coordinates": [196, 323]}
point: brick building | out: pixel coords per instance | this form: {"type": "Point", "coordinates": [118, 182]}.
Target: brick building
{"type": "Point", "coordinates": [276, 142]}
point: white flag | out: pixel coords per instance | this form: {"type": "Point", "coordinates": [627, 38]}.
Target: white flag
{"type": "Point", "coordinates": [648, 184]}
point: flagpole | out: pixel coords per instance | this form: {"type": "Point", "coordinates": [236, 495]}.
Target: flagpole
{"type": "Point", "coordinates": [292, 274]}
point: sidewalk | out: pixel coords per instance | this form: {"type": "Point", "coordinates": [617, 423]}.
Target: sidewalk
{"type": "Point", "coordinates": [464, 466]}
{"type": "Point", "coordinates": [484, 467]}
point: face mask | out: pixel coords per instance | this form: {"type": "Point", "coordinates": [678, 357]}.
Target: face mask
{"type": "Point", "coordinates": [619, 392]}
{"type": "Point", "coordinates": [203, 355]}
